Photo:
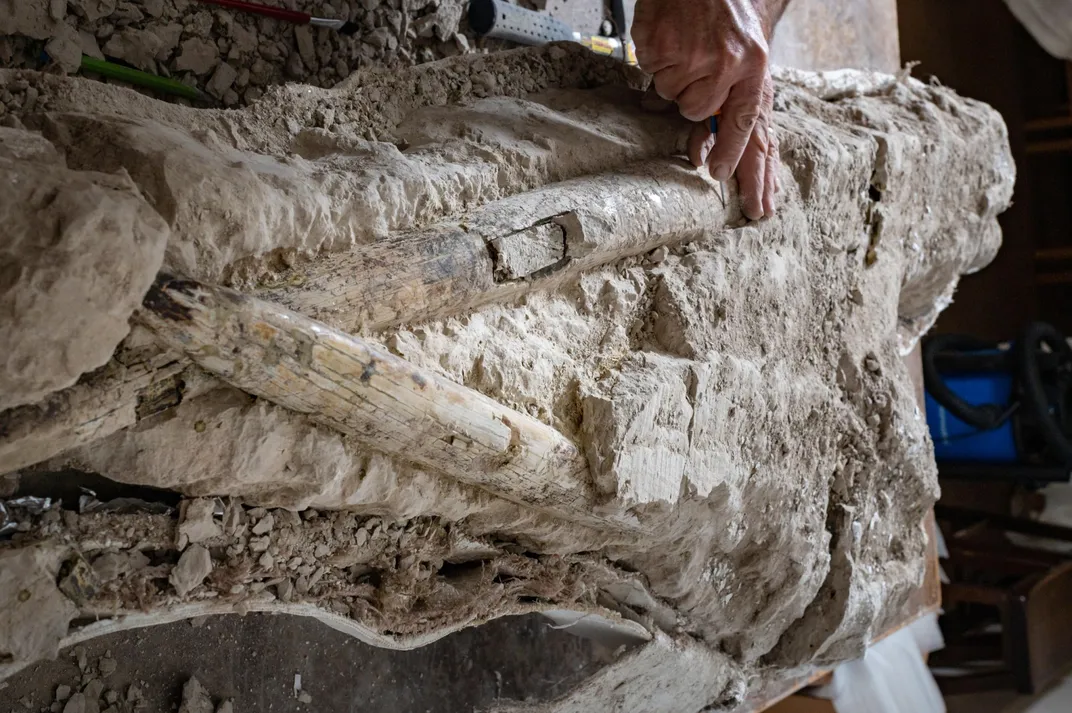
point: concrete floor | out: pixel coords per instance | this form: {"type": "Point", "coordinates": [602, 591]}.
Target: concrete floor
{"type": "Point", "coordinates": [253, 660]}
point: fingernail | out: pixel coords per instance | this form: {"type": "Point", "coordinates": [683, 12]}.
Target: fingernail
{"type": "Point", "coordinates": [721, 172]}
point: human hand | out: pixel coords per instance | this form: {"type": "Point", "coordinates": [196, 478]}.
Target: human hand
{"type": "Point", "coordinates": [708, 55]}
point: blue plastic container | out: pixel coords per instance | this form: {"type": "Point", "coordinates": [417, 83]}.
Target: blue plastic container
{"type": "Point", "coordinates": [955, 440]}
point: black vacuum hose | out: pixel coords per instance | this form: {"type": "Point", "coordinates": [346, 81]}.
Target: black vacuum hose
{"type": "Point", "coordinates": [983, 417]}
{"type": "Point", "coordinates": [1033, 388]}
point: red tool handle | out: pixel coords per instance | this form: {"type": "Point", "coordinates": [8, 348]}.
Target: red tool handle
{"type": "Point", "coordinates": [279, 13]}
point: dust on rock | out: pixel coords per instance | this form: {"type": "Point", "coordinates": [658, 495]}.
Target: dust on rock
{"type": "Point", "coordinates": [372, 570]}
{"type": "Point", "coordinates": [208, 46]}
{"type": "Point", "coordinates": [94, 693]}
{"type": "Point", "coordinates": [91, 689]}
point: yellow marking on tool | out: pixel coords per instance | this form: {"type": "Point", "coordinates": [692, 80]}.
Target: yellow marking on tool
{"type": "Point", "coordinates": [599, 45]}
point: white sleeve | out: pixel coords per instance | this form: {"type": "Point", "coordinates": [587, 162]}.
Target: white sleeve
{"type": "Point", "coordinates": [1049, 22]}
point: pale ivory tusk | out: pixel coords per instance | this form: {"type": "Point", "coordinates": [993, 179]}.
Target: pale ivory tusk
{"type": "Point", "coordinates": [383, 401]}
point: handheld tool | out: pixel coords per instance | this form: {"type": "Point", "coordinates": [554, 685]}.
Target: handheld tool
{"type": "Point", "coordinates": [622, 17]}
{"type": "Point", "coordinates": [164, 85]}
{"type": "Point", "coordinates": [500, 20]}
{"type": "Point", "coordinates": [280, 13]}
{"type": "Point", "coordinates": [712, 124]}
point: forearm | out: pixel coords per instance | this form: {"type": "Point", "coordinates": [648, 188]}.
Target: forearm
{"type": "Point", "coordinates": [770, 12]}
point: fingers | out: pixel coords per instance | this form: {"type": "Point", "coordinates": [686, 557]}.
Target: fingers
{"type": "Point", "coordinates": [701, 141]}
{"type": "Point", "coordinates": [652, 55]}
{"type": "Point", "coordinates": [740, 115]}
{"type": "Point", "coordinates": [751, 176]}
{"type": "Point", "coordinates": [670, 82]}
{"type": "Point", "coordinates": [655, 64]}
{"type": "Point", "coordinates": [757, 169]}
{"type": "Point", "coordinates": [770, 174]}
{"type": "Point", "coordinates": [770, 177]}
{"type": "Point", "coordinates": [703, 98]}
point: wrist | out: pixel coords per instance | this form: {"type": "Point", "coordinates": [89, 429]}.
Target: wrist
{"type": "Point", "coordinates": [770, 12]}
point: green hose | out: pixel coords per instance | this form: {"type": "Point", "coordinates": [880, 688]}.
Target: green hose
{"type": "Point", "coordinates": [142, 79]}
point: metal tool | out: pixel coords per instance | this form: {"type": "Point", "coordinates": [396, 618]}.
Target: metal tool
{"type": "Point", "coordinates": [293, 16]}
{"type": "Point", "coordinates": [500, 20]}
{"type": "Point", "coordinates": [621, 14]}
{"type": "Point", "coordinates": [713, 126]}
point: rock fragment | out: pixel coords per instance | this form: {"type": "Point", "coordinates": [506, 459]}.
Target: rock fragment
{"type": "Point", "coordinates": [195, 698]}
{"type": "Point", "coordinates": [113, 565]}
{"type": "Point", "coordinates": [90, 215]}
{"type": "Point", "coordinates": [169, 35]}
{"type": "Point", "coordinates": [107, 666]}
{"type": "Point", "coordinates": [198, 56]}
{"type": "Point", "coordinates": [32, 19]}
{"type": "Point", "coordinates": [57, 9]}
{"type": "Point", "coordinates": [303, 36]}
{"type": "Point", "coordinates": [194, 565]}
{"type": "Point", "coordinates": [92, 10]}
{"type": "Point", "coordinates": [93, 691]}
{"type": "Point", "coordinates": [264, 525]}
{"type": "Point", "coordinates": [75, 704]}
{"type": "Point", "coordinates": [65, 48]}
{"type": "Point", "coordinates": [199, 522]}
{"type": "Point", "coordinates": [34, 614]}
{"type": "Point", "coordinates": [89, 44]}
{"type": "Point", "coordinates": [243, 41]}
{"type": "Point", "coordinates": [138, 47]}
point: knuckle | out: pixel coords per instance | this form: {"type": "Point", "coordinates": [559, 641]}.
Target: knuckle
{"type": "Point", "coordinates": [645, 57]}
{"type": "Point", "coordinates": [648, 42]}
{"type": "Point", "coordinates": [748, 51]}
{"type": "Point", "coordinates": [761, 136]}
{"type": "Point", "coordinates": [691, 111]}
{"type": "Point", "coordinates": [768, 91]}
{"type": "Point", "coordinates": [664, 85]}
{"type": "Point", "coordinates": [653, 58]}
{"type": "Point", "coordinates": [757, 50]}
{"type": "Point", "coordinates": [746, 120]}
{"type": "Point", "coordinates": [734, 63]}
